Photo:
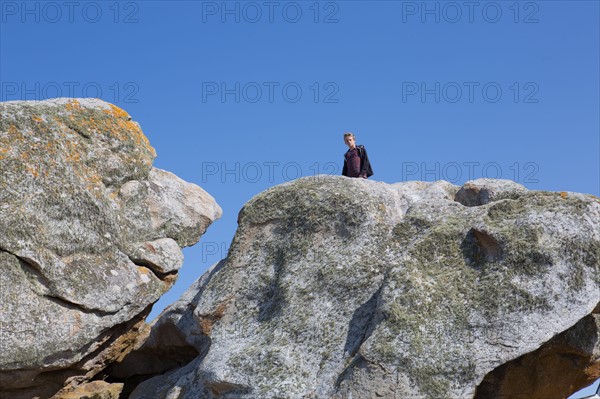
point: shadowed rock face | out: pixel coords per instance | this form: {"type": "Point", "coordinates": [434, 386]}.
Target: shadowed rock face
{"type": "Point", "coordinates": [561, 365]}
{"type": "Point", "coordinates": [90, 237]}
{"type": "Point", "coordinates": [337, 288]}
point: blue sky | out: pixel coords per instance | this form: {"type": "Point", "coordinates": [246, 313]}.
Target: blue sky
{"type": "Point", "coordinates": [240, 96]}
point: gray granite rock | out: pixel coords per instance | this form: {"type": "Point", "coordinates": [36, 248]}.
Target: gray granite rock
{"type": "Point", "coordinates": [91, 237]}
{"type": "Point", "coordinates": [348, 288]}
{"type": "Point", "coordinates": [483, 191]}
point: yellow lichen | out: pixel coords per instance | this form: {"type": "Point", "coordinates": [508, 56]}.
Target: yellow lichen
{"type": "Point", "coordinates": [32, 170]}
{"type": "Point", "coordinates": [117, 112]}
{"type": "Point", "coordinates": [12, 129]}
{"type": "Point", "coordinates": [73, 104]}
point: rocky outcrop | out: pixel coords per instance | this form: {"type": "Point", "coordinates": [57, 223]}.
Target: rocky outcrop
{"type": "Point", "coordinates": [347, 288]}
{"type": "Point", "coordinates": [94, 390]}
{"type": "Point", "coordinates": [91, 237]}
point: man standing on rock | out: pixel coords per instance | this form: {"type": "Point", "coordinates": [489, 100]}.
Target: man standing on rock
{"type": "Point", "coordinates": [356, 160]}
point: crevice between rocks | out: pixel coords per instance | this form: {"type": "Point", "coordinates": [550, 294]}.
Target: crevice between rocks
{"type": "Point", "coordinates": [167, 348]}
{"type": "Point", "coordinates": [154, 269]}
{"type": "Point", "coordinates": [117, 342]}
{"type": "Point", "coordinates": [361, 325]}
{"type": "Point", "coordinates": [151, 359]}
{"type": "Point", "coordinates": [556, 370]}
{"type": "Point", "coordinates": [55, 382]}
{"type": "Point", "coordinates": [160, 362]}
{"type": "Point", "coordinates": [33, 269]}
{"type": "Point", "coordinates": [356, 361]}
{"type": "Point", "coordinates": [75, 306]}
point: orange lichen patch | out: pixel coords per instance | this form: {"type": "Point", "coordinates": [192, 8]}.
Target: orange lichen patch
{"type": "Point", "coordinates": [73, 104]}
{"type": "Point", "coordinates": [563, 195]}
{"type": "Point", "coordinates": [73, 151]}
{"type": "Point", "coordinates": [123, 121]}
{"type": "Point", "coordinates": [94, 179]}
{"type": "Point", "coordinates": [37, 119]}
{"type": "Point", "coordinates": [207, 321]}
{"type": "Point", "coordinates": [113, 123]}
{"type": "Point", "coordinates": [117, 112]}
{"type": "Point", "coordinates": [143, 270]}
{"type": "Point", "coordinates": [32, 170]}
{"type": "Point", "coordinates": [116, 124]}
{"type": "Point", "coordinates": [12, 129]}
{"type": "Point", "coordinates": [73, 157]}
{"type": "Point", "coordinates": [136, 133]}
{"type": "Point", "coordinates": [96, 186]}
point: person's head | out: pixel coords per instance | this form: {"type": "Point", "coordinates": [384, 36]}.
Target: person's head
{"type": "Point", "coordinates": [350, 140]}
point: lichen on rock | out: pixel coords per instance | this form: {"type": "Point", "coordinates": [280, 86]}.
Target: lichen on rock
{"type": "Point", "coordinates": [337, 288]}
{"type": "Point", "coordinates": [82, 264]}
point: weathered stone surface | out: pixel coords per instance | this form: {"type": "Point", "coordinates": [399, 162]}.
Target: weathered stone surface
{"type": "Point", "coordinates": [93, 390]}
{"type": "Point", "coordinates": [90, 238]}
{"type": "Point", "coordinates": [483, 191]}
{"type": "Point", "coordinates": [347, 288]}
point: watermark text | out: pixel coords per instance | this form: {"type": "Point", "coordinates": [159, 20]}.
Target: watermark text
{"type": "Point", "coordinates": [454, 172]}
{"type": "Point", "coordinates": [53, 12]}
{"type": "Point", "coordinates": [252, 12]}
{"type": "Point", "coordinates": [114, 92]}
{"type": "Point", "coordinates": [270, 171]}
{"type": "Point", "coordinates": [453, 12]}
{"type": "Point", "coordinates": [270, 92]}
{"type": "Point", "coordinates": [470, 92]}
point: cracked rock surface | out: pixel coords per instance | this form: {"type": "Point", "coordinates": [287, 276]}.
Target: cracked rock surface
{"type": "Point", "coordinates": [348, 288]}
{"type": "Point", "coordinates": [90, 237]}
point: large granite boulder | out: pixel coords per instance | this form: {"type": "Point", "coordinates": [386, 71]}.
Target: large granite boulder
{"type": "Point", "coordinates": [348, 288]}
{"type": "Point", "coordinates": [90, 238]}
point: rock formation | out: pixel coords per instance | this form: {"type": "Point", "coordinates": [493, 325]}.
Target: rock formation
{"type": "Point", "coordinates": [333, 287]}
{"type": "Point", "coordinates": [346, 288]}
{"type": "Point", "coordinates": [90, 238]}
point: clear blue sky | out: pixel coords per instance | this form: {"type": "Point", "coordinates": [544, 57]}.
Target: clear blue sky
{"type": "Point", "coordinates": [240, 96]}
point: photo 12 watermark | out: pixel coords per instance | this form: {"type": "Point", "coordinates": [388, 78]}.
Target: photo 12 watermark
{"type": "Point", "coordinates": [113, 92]}
{"type": "Point", "coordinates": [252, 12]}
{"type": "Point", "coordinates": [53, 12]}
{"type": "Point", "coordinates": [270, 92]}
{"type": "Point", "coordinates": [263, 172]}
{"type": "Point", "coordinates": [455, 172]}
{"type": "Point", "coordinates": [453, 12]}
{"type": "Point", "coordinates": [273, 172]}
{"type": "Point", "coordinates": [470, 92]}
{"type": "Point", "coordinates": [213, 251]}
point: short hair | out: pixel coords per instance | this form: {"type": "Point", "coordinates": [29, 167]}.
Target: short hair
{"type": "Point", "coordinates": [349, 134]}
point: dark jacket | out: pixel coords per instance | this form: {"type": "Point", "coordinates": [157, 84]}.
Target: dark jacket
{"type": "Point", "coordinates": [365, 164]}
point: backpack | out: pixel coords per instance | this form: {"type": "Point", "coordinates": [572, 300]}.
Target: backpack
{"type": "Point", "coordinates": [364, 160]}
